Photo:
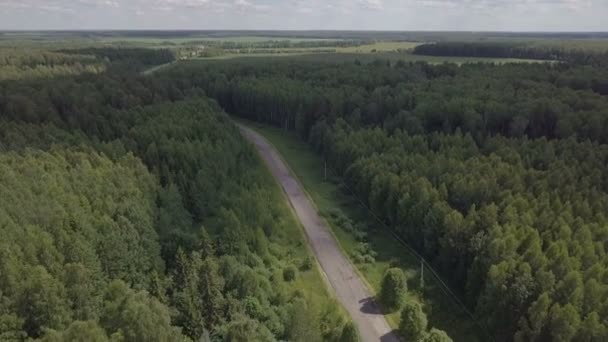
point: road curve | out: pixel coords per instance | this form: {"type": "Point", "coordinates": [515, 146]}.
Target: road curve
{"type": "Point", "coordinates": [350, 290]}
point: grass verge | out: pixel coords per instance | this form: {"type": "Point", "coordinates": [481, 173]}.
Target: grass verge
{"type": "Point", "coordinates": [291, 244]}
{"type": "Point", "coordinates": [156, 68]}
{"type": "Point", "coordinates": [327, 195]}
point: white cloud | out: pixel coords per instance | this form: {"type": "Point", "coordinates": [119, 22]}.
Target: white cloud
{"type": "Point", "coordinates": [553, 15]}
{"type": "Point", "coordinates": [100, 3]}
{"type": "Point", "coordinates": [372, 4]}
{"type": "Point", "coordinates": [250, 7]}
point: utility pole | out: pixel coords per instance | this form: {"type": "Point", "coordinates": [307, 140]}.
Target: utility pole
{"type": "Point", "coordinates": [421, 274]}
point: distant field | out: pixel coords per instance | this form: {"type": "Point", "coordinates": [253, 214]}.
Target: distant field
{"type": "Point", "coordinates": [379, 46]}
{"type": "Point", "coordinates": [392, 50]}
{"type": "Point", "coordinates": [188, 44]}
{"type": "Point", "coordinates": [385, 41]}
{"type": "Point", "coordinates": [241, 39]}
{"type": "Point", "coordinates": [161, 41]}
{"type": "Point", "coordinates": [595, 45]}
{"type": "Point", "coordinates": [365, 48]}
{"type": "Point", "coordinates": [590, 40]}
{"type": "Point", "coordinates": [368, 57]}
{"type": "Point", "coordinates": [253, 55]}
{"type": "Point", "coordinates": [257, 39]}
{"type": "Point", "coordinates": [146, 40]}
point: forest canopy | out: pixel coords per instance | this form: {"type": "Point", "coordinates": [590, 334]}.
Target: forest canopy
{"type": "Point", "coordinates": [525, 50]}
{"type": "Point", "coordinates": [130, 215]}
{"type": "Point", "coordinates": [133, 210]}
{"type": "Point", "coordinates": [493, 172]}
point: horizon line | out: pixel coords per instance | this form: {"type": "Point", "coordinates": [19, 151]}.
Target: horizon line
{"type": "Point", "coordinates": [293, 30]}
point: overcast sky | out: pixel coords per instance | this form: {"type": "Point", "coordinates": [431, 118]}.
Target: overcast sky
{"type": "Point", "coordinates": [468, 15]}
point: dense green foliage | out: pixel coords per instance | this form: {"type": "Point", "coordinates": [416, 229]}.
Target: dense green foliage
{"type": "Point", "coordinates": [29, 63]}
{"type": "Point", "coordinates": [511, 50]}
{"type": "Point", "coordinates": [350, 333]}
{"type": "Point", "coordinates": [493, 173]}
{"type": "Point", "coordinates": [413, 322]}
{"type": "Point", "coordinates": [413, 325]}
{"type": "Point", "coordinates": [394, 289]}
{"type": "Point", "coordinates": [436, 336]}
{"type": "Point", "coordinates": [128, 217]}
{"type": "Point", "coordinates": [65, 234]}
{"type": "Point", "coordinates": [131, 211]}
{"type": "Point", "coordinates": [135, 58]}
{"type": "Point", "coordinates": [16, 64]}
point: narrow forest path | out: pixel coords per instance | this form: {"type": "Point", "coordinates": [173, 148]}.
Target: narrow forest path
{"type": "Point", "coordinates": [350, 290]}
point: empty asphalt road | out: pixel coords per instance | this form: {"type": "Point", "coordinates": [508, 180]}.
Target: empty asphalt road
{"type": "Point", "coordinates": [350, 290]}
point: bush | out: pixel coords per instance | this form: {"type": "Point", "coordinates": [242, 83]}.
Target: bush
{"type": "Point", "coordinates": [369, 259]}
{"type": "Point", "coordinates": [350, 333]}
{"type": "Point", "coordinates": [363, 248]}
{"type": "Point", "coordinates": [363, 254]}
{"type": "Point", "coordinates": [342, 221]}
{"type": "Point", "coordinates": [359, 234]}
{"type": "Point", "coordinates": [357, 257]}
{"type": "Point", "coordinates": [306, 264]}
{"type": "Point", "coordinates": [436, 335]}
{"type": "Point", "coordinates": [289, 273]}
{"type": "Point", "coordinates": [246, 329]}
{"type": "Point", "coordinates": [394, 289]}
{"type": "Point", "coordinates": [413, 322]}
{"type": "Point", "coordinates": [333, 213]}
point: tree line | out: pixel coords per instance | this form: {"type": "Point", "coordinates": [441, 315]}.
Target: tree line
{"type": "Point", "coordinates": [511, 50]}
{"type": "Point", "coordinates": [31, 63]}
{"type": "Point", "coordinates": [127, 58]}
{"type": "Point", "coordinates": [16, 64]}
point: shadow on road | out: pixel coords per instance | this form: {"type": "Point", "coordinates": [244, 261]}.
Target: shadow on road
{"type": "Point", "coordinates": [390, 337]}
{"type": "Point", "coordinates": [369, 306]}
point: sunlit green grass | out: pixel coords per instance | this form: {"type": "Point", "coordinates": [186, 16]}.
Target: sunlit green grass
{"type": "Point", "coordinates": [308, 167]}
{"type": "Point", "coordinates": [378, 47]}
{"type": "Point", "coordinates": [298, 54]}
{"type": "Point", "coordinates": [201, 38]}
{"type": "Point", "coordinates": [292, 242]}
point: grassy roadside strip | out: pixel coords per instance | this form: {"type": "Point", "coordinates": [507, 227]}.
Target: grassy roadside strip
{"type": "Point", "coordinates": [292, 243]}
{"type": "Point", "coordinates": [323, 216]}
{"type": "Point", "coordinates": [327, 196]}
{"type": "Point", "coordinates": [158, 68]}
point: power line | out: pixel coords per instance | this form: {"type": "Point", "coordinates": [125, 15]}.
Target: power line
{"type": "Point", "coordinates": [446, 289]}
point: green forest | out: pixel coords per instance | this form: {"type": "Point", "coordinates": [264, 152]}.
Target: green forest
{"type": "Point", "coordinates": [129, 213]}
{"type": "Point", "coordinates": [495, 173]}
{"type": "Point", "coordinates": [132, 209]}
{"type": "Point", "coordinates": [566, 51]}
